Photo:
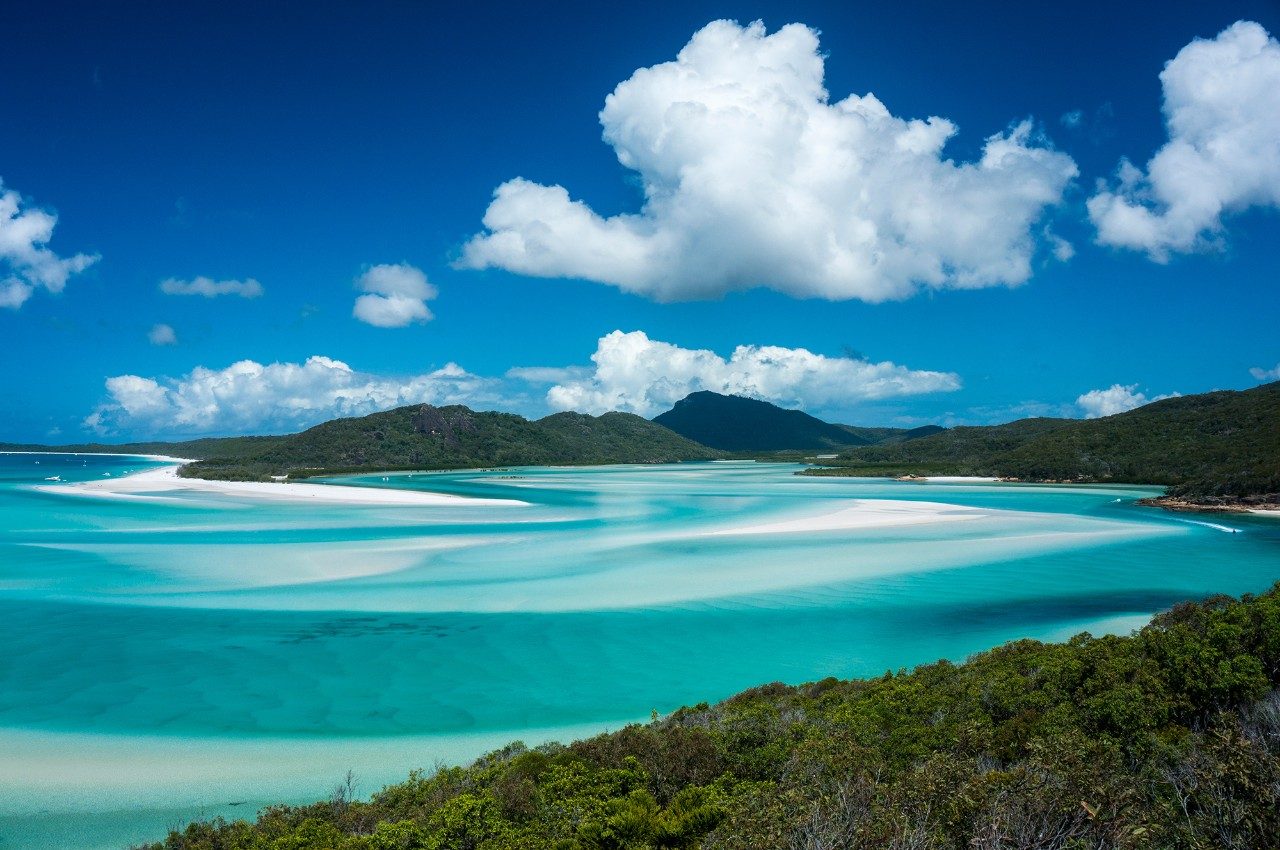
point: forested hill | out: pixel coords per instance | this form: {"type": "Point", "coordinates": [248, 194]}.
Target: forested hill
{"type": "Point", "coordinates": [1166, 739]}
{"type": "Point", "coordinates": [455, 437]}
{"type": "Point", "coordinates": [737, 424]}
{"type": "Point", "coordinates": [1219, 445]}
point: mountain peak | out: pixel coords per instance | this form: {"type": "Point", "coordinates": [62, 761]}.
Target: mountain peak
{"type": "Point", "coordinates": [739, 423]}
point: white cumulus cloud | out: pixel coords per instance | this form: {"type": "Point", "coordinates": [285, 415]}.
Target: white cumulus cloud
{"type": "Point", "coordinates": [26, 262]}
{"type": "Point", "coordinates": [634, 373]}
{"type": "Point", "coordinates": [396, 296]}
{"type": "Point", "coordinates": [753, 177]}
{"type": "Point", "coordinates": [1222, 108]}
{"type": "Point", "coordinates": [1260, 374]}
{"type": "Point", "coordinates": [254, 397]}
{"type": "Point", "coordinates": [210, 288]}
{"type": "Point", "coordinates": [1116, 399]}
{"type": "Point", "coordinates": [162, 335]}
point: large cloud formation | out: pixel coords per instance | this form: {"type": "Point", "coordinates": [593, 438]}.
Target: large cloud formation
{"type": "Point", "coordinates": [1222, 107]}
{"type": "Point", "coordinates": [641, 375]}
{"type": "Point", "coordinates": [752, 177]}
{"type": "Point", "coordinates": [26, 263]}
{"type": "Point", "coordinates": [395, 296]}
{"type": "Point", "coordinates": [253, 397]}
{"type": "Point", "coordinates": [629, 372]}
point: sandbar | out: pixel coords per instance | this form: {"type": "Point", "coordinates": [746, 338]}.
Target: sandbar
{"type": "Point", "coordinates": [862, 514]}
{"type": "Point", "coordinates": [164, 480]}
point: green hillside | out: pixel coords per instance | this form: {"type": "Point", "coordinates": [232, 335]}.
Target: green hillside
{"type": "Point", "coordinates": [876, 436]}
{"type": "Point", "coordinates": [454, 437]}
{"type": "Point", "coordinates": [1166, 739]}
{"type": "Point", "coordinates": [1221, 445]}
{"type": "Point", "coordinates": [738, 424]}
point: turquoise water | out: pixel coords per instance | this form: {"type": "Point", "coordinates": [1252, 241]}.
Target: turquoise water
{"type": "Point", "coordinates": [188, 654]}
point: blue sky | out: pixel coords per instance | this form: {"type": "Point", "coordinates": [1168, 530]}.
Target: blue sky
{"type": "Point", "coordinates": [331, 151]}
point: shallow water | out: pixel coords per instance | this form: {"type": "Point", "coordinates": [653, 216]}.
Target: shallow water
{"type": "Point", "coordinates": [197, 654]}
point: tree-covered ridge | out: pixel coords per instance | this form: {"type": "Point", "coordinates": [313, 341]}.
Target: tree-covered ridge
{"type": "Point", "coordinates": [1169, 738]}
{"type": "Point", "coordinates": [454, 437]}
{"type": "Point", "coordinates": [1215, 445]}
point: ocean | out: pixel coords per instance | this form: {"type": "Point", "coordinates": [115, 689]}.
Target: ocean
{"type": "Point", "coordinates": [183, 654]}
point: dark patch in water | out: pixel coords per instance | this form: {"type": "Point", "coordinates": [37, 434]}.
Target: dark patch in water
{"type": "Point", "coordinates": [356, 627]}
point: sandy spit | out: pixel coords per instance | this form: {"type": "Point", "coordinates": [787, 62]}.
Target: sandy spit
{"type": "Point", "coordinates": [862, 514]}
{"type": "Point", "coordinates": [164, 481]}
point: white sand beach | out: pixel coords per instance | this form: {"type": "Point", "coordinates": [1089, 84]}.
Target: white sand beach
{"type": "Point", "coordinates": [861, 514]}
{"type": "Point", "coordinates": [959, 479]}
{"type": "Point", "coordinates": [163, 481]}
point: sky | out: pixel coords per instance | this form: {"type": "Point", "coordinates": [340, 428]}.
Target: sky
{"type": "Point", "coordinates": [227, 218]}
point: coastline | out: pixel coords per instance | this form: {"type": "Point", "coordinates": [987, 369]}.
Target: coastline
{"type": "Point", "coordinates": [1176, 505]}
{"type": "Point", "coordinates": [1266, 508]}
{"type": "Point", "coordinates": [165, 481]}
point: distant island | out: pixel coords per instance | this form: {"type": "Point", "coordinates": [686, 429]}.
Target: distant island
{"type": "Point", "coordinates": [422, 437]}
{"type": "Point", "coordinates": [1214, 451]}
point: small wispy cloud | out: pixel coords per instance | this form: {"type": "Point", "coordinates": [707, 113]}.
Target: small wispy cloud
{"type": "Point", "coordinates": [548, 374]}
{"type": "Point", "coordinates": [162, 335]}
{"type": "Point", "coordinates": [210, 288]}
{"type": "Point", "coordinates": [1261, 374]}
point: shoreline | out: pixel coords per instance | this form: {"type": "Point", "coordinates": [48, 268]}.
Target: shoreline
{"type": "Point", "coordinates": [947, 479]}
{"type": "Point", "coordinates": [165, 481]}
{"type": "Point", "coordinates": [1176, 505]}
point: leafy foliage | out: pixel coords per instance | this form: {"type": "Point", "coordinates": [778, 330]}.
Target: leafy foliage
{"type": "Point", "coordinates": [1169, 738]}
{"type": "Point", "coordinates": [1220, 445]}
